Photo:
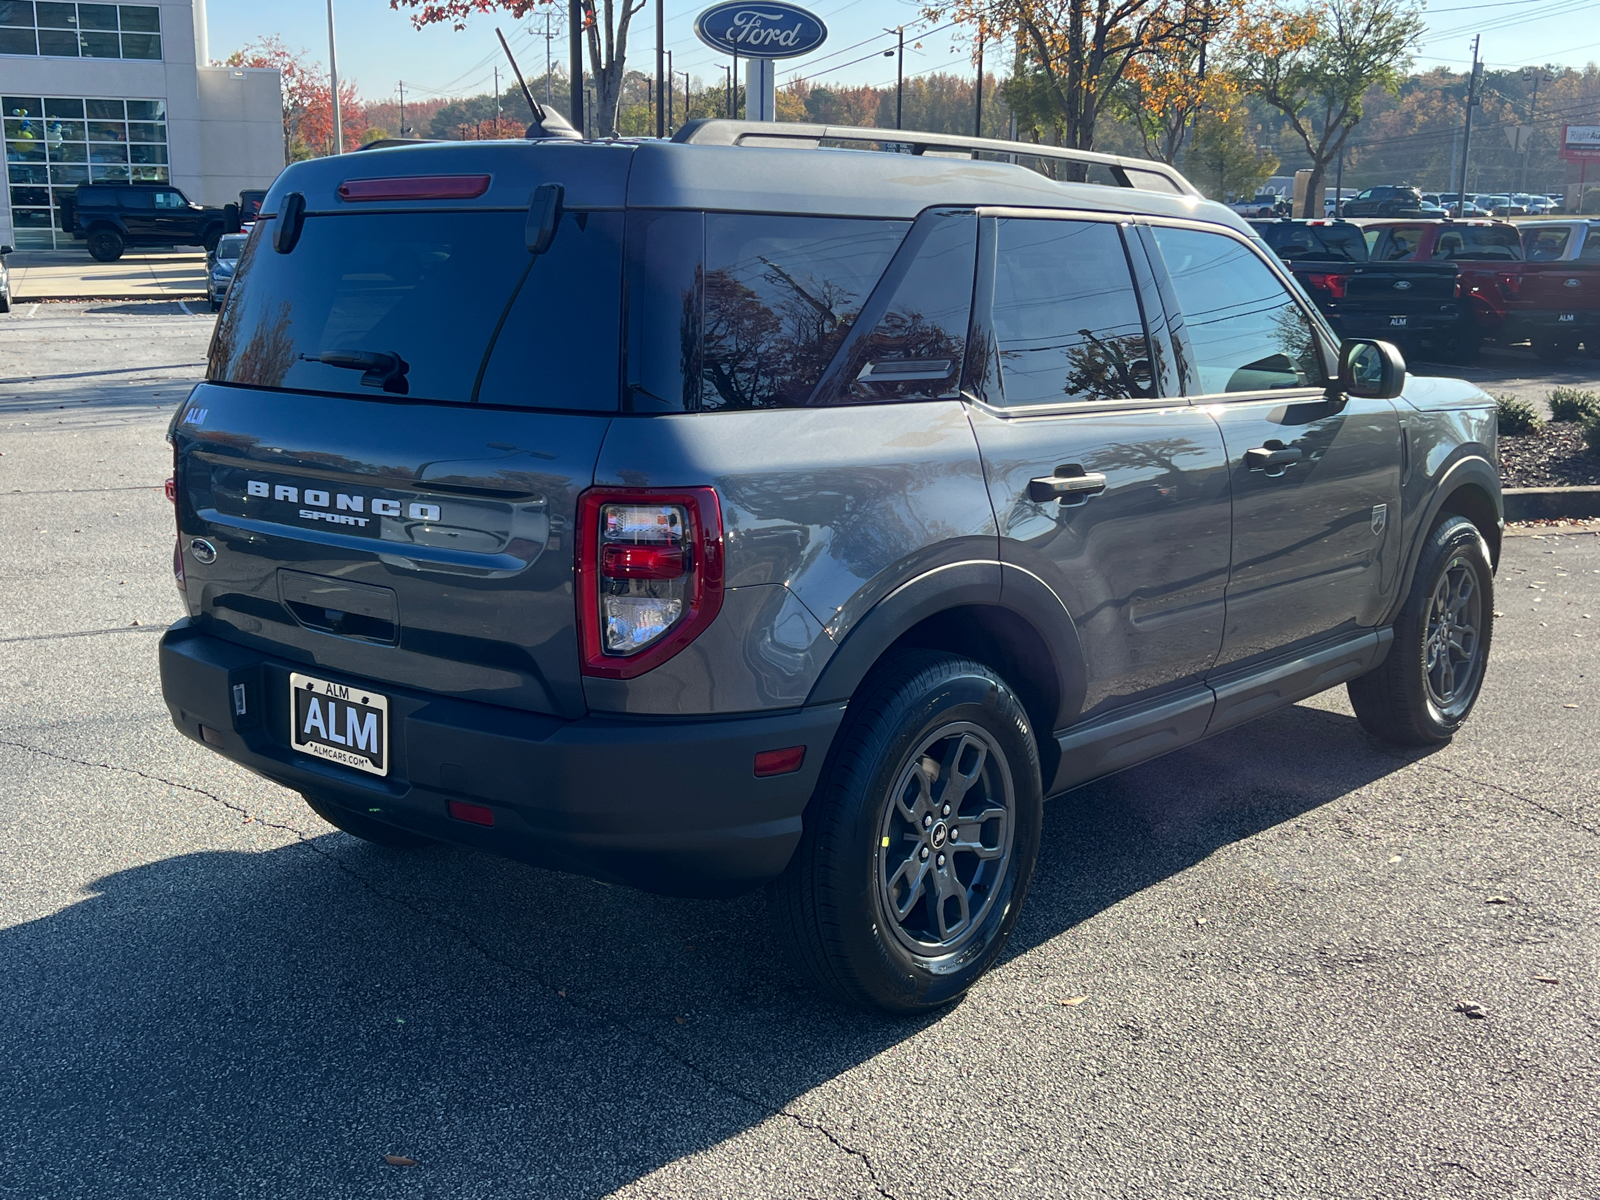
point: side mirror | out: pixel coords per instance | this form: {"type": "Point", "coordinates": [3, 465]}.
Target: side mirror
{"type": "Point", "coordinates": [5, 250]}
{"type": "Point", "coordinates": [1371, 370]}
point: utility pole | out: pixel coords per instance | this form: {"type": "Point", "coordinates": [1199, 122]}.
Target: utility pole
{"type": "Point", "coordinates": [1466, 141]}
{"type": "Point", "coordinates": [671, 77]}
{"type": "Point", "coordinates": [661, 66]}
{"type": "Point", "coordinates": [899, 73]}
{"type": "Point", "coordinates": [575, 44]}
{"type": "Point", "coordinates": [333, 75]}
{"type": "Point", "coordinates": [977, 124]}
{"type": "Point", "coordinates": [497, 101]}
{"type": "Point", "coordinates": [1534, 75]}
{"type": "Point", "coordinates": [402, 108]}
{"type": "Point", "coordinates": [548, 68]}
{"type": "Point", "coordinates": [688, 113]}
{"type": "Point", "coordinates": [729, 71]}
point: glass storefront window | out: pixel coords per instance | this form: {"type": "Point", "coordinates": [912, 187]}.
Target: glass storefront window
{"type": "Point", "coordinates": [55, 29]}
{"type": "Point", "coordinates": [54, 143]}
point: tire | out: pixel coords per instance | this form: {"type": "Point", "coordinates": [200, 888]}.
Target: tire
{"type": "Point", "coordinates": [105, 245]}
{"type": "Point", "coordinates": [210, 239]}
{"type": "Point", "coordinates": [1415, 698]}
{"type": "Point", "coordinates": [216, 306]}
{"type": "Point", "coordinates": [5, 302]}
{"type": "Point", "coordinates": [1554, 350]}
{"type": "Point", "coordinates": [852, 908]}
{"type": "Point", "coordinates": [1465, 344]}
{"type": "Point", "coordinates": [364, 827]}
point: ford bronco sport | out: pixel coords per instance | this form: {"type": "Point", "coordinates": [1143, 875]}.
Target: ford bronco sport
{"type": "Point", "coordinates": [752, 510]}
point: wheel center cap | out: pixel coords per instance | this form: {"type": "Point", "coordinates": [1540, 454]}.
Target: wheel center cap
{"type": "Point", "coordinates": [938, 835]}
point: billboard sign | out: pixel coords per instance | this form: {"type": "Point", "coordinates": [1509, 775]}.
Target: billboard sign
{"type": "Point", "coordinates": [1580, 142]}
{"type": "Point", "coordinates": [778, 30]}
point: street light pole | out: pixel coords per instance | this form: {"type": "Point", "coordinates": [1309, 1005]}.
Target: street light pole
{"type": "Point", "coordinates": [1466, 141]}
{"type": "Point", "coordinates": [977, 125]}
{"type": "Point", "coordinates": [671, 75]}
{"type": "Point", "coordinates": [575, 53]}
{"type": "Point", "coordinates": [661, 79]}
{"type": "Point", "coordinates": [899, 76]}
{"type": "Point", "coordinates": [1535, 75]}
{"type": "Point", "coordinates": [333, 75]}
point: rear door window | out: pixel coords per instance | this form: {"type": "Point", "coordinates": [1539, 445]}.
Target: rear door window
{"type": "Point", "coordinates": [1245, 331]}
{"type": "Point", "coordinates": [1316, 243]}
{"type": "Point", "coordinates": [779, 296]}
{"type": "Point", "coordinates": [429, 289]}
{"type": "Point", "coordinates": [1066, 320]}
{"type": "Point", "coordinates": [1492, 243]}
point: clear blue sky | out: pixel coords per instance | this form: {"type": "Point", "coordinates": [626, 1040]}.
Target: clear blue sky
{"type": "Point", "coordinates": [378, 46]}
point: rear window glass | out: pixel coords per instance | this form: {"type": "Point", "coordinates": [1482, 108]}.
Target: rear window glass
{"type": "Point", "coordinates": [429, 289]}
{"type": "Point", "coordinates": [1316, 243]}
{"type": "Point", "coordinates": [779, 296]}
{"type": "Point", "coordinates": [1544, 245]}
{"type": "Point", "coordinates": [1475, 242]}
{"type": "Point", "coordinates": [1590, 250]}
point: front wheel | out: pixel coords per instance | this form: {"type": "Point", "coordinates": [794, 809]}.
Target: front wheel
{"type": "Point", "coordinates": [105, 245]}
{"type": "Point", "coordinates": [920, 843]}
{"type": "Point", "coordinates": [364, 827]}
{"type": "Point", "coordinates": [1425, 689]}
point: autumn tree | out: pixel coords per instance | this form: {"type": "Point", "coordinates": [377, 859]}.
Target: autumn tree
{"type": "Point", "coordinates": [1071, 54]}
{"type": "Point", "coordinates": [606, 24]}
{"type": "Point", "coordinates": [1225, 157]}
{"type": "Point", "coordinates": [1316, 64]}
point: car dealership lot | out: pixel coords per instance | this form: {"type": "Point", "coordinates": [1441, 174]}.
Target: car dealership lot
{"type": "Point", "coordinates": [1239, 972]}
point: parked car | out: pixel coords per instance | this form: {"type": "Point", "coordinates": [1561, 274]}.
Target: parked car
{"type": "Point", "coordinates": [113, 216]}
{"type": "Point", "coordinates": [1389, 201]}
{"type": "Point", "coordinates": [250, 206]}
{"type": "Point", "coordinates": [735, 515]}
{"type": "Point", "coordinates": [1538, 206]}
{"type": "Point", "coordinates": [1560, 241]}
{"type": "Point", "coordinates": [220, 264]}
{"type": "Point", "coordinates": [1554, 306]}
{"type": "Point", "coordinates": [1263, 205]}
{"type": "Point", "coordinates": [5, 280]}
{"type": "Point", "coordinates": [1415, 305]}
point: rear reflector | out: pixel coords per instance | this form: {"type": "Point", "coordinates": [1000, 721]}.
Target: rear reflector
{"type": "Point", "coordinates": [415, 187]}
{"type": "Point", "coordinates": [212, 737]}
{"type": "Point", "coordinates": [780, 762]}
{"type": "Point", "coordinates": [172, 491]}
{"type": "Point", "coordinates": [477, 814]}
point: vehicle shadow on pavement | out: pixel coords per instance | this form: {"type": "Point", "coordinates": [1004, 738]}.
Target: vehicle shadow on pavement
{"type": "Point", "coordinates": [273, 1023]}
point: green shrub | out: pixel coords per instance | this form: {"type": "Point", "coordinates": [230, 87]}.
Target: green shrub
{"type": "Point", "coordinates": [1571, 404]}
{"type": "Point", "coordinates": [1517, 416]}
{"type": "Point", "coordinates": [1591, 431]}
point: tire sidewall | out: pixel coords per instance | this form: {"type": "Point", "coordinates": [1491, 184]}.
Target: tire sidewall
{"type": "Point", "coordinates": [1457, 536]}
{"type": "Point", "coordinates": [903, 978]}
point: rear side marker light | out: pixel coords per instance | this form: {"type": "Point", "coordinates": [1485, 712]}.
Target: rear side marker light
{"type": "Point", "coordinates": [415, 187]}
{"type": "Point", "coordinates": [212, 737]}
{"type": "Point", "coordinates": [780, 762]}
{"type": "Point", "coordinates": [476, 814]}
{"type": "Point", "coordinates": [172, 491]}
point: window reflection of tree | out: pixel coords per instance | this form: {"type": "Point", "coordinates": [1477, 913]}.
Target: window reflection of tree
{"type": "Point", "coordinates": [903, 335]}
{"type": "Point", "coordinates": [1112, 368]}
{"type": "Point", "coordinates": [268, 355]}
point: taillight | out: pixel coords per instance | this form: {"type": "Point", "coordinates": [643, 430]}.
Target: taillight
{"type": "Point", "coordinates": [649, 575]}
{"type": "Point", "coordinates": [1334, 285]}
{"type": "Point", "coordinates": [172, 491]}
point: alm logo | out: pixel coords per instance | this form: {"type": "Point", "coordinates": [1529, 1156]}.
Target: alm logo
{"type": "Point", "coordinates": [778, 30]}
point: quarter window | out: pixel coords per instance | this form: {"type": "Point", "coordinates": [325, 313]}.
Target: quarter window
{"type": "Point", "coordinates": [1066, 321]}
{"type": "Point", "coordinates": [1246, 332]}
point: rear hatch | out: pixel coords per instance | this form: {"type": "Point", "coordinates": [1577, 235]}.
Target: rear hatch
{"type": "Point", "coordinates": [403, 404]}
{"type": "Point", "coordinates": [1402, 287]}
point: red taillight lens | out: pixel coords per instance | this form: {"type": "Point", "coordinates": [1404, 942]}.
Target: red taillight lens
{"type": "Point", "coordinates": [415, 187]}
{"type": "Point", "coordinates": [649, 575]}
{"type": "Point", "coordinates": [1334, 285]}
{"type": "Point", "coordinates": [172, 491]}
{"type": "Point", "coordinates": [476, 814]}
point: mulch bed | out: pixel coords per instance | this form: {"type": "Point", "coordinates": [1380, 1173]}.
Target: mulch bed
{"type": "Point", "coordinates": [1554, 457]}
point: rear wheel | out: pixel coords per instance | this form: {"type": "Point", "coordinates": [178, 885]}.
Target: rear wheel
{"type": "Point", "coordinates": [1555, 349]}
{"type": "Point", "coordinates": [920, 843]}
{"type": "Point", "coordinates": [364, 827]}
{"type": "Point", "coordinates": [210, 239]}
{"type": "Point", "coordinates": [1425, 689]}
{"type": "Point", "coordinates": [105, 245]}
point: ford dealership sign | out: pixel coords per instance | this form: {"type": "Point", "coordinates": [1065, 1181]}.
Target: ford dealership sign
{"type": "Point", "coordinates": [761, 30]}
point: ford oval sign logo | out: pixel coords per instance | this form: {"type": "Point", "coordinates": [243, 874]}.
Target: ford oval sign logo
{"type": "Point", "coordinates": [761, 30]}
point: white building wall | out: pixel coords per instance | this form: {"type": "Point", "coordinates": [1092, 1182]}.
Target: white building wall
{"type": "Point", "coordinates": [241, 132]}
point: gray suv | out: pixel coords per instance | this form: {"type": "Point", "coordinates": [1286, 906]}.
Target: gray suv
{"type": "Point", "coordinates": [752, 510]}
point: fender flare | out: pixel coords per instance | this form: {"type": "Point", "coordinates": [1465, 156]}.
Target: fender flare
{"type": "Point", "coordinates": [1470, 469]}
{"type": "Point", "coordinates": [956, 585]}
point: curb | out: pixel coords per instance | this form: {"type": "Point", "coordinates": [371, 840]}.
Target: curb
{"type": "Point", "coordinates": [1551, 503]}
{"type": "Point", "coordinates": [15, 300]}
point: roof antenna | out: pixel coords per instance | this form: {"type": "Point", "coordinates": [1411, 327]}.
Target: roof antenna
{"type": "Point", "coordinates": [547, 123]}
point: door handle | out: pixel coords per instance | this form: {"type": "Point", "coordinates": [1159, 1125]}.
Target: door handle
{"type": "Point", "coordinates": [1264, 458]}
{"type": "Point", "coordinates": [1066, 488]}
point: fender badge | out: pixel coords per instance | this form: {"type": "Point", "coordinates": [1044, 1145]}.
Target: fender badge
{"type": "Point", "coordinates": [203, 551]}
{"type": "Point", "coordinates": [1380, 518]}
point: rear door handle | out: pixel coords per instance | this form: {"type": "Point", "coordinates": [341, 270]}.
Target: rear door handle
{"type": "Point", "coordinates": [1066, 488]}
{"type": "Point", "coordinates": [1264, 458]}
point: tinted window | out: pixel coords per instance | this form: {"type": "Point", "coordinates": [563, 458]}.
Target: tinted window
{"type": "Point", "coordinates": [1401, 244]}
{"type": "Point", "coordinates": [666, 268]}
{"type": "Point", "coordinates": [1478, 242]}
{"type": "Point", "coordinates": [1066, 320]}
{"type": "Point", "coordinates": [1245, 331]}
{"type": "Point", "coordinates": [1315, 243]}
{"type": "Point", "coordinates": [779, 295]}
{"type": "Point", "coordinates": [1544, 245]}
{"type": "Point", "coordinates": [230, 247]}
{"type": "Point", "coordinates": [1590, 250]}
{"type": "Point", "coordinates": [428, 287]}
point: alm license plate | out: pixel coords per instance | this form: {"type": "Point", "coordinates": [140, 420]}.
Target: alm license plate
{"type": "Point", "coordinates": [1397, 321]}
{"type": "Point", "coordinates": [339, 722]}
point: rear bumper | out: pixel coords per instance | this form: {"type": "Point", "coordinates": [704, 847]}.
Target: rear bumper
{"type": "Point", "coordinates": [1577, 323]}
{"type": "Point", "coordinates": [1426, 326]}
{"type": "Point", "coordinates": [667, 805]}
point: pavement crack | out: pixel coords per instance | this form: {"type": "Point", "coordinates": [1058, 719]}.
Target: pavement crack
{"type": "Point", "coordinates": [50, 637]}
{"type": "Point", "coordinates": [592, 1011]}
{"type": "Point", "coordinates": [1528, 800]}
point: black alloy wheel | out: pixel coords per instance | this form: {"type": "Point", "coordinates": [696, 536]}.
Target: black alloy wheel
{"type": "Point", "coordinates": [105, 245]}
{"type": "Point", "coordinates": [919, 845]}
{"type": "Point", "coordinates": [1426, 687]}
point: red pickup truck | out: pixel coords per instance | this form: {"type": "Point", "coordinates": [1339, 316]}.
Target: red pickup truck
{"type": "Point", "coordinates": [1553, 305]}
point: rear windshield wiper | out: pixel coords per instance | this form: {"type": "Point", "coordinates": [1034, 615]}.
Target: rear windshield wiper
{"type": "Point", "coordinates": [381, 369]}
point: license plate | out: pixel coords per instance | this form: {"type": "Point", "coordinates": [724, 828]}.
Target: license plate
{"type": "Point", "coordinates": [1564, 318]}
{"type": "Point", "coordinates": [1393, 321]}
{"type": "Point", "coordinates": [345, 724]}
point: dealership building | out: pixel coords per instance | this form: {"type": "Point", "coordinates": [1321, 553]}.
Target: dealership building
{"type": "Point", "coordinates": [115, 92]}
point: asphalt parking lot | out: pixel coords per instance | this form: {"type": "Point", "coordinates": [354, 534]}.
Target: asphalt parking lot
{"type": "Point", "coordinates": [1240, 973]}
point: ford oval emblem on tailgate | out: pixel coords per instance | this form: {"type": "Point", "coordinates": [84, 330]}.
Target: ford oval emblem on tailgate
{"type": "Point", "coordinates": [1402, 285]}
{"type": "Point", "coordinates": [1574, 283]}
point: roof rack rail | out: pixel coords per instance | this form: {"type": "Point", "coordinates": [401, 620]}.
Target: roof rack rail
{"type": "Point", "coordinates": [1054, 162]}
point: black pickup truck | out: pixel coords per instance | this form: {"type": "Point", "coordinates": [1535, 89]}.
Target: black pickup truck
{"type": "Point", "coordinates": [1416, 305]}
{"type": "Point", "coordinates": [114, 216]}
